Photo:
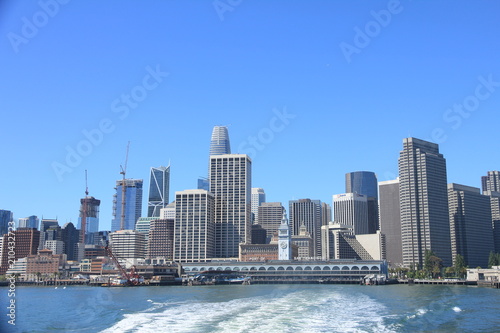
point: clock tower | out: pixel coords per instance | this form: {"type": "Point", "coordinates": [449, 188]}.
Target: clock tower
{"type": "Point", "coordinates": [284, 240]}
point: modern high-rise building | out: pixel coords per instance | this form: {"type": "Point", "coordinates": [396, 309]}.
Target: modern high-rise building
{"type": "Point", "coordinates": [351, 209]}
{"type": "Point", "coordinates": [26, 243]}
{"type": "Point", "coordinates": [203, 184]}
{"type": "Point", "coordinates": [326, 213]}
{"type": "Point", "coordinates": [6, 216]}
{"type": "Point", "coordinates": [28, 222]}
{"type": "Point", "coordinates": [89, 208]}
{"type": "Point", "coordinates": [194, 226]}
{"type": "Point", "coordinates": [161, 239]}
{"type": "Point", "coordinates": [143, 225]}
{"type": "Point", "coordinates": [219, 144]}
{"type": "Point", "coordinates": [495, 217]}
{"type": "Point", "coordinates": [45, 224]}
{"type": "Point", "coordinates": [230, 183]}
{"type": "Point", "coordinates": [71, 239]}
{"type": "Point", "coordinates": [159, 184]}
{"type": "Point", "coordinates": [168, 212]}
{"type": "Point", "coordinates": [128, 244]}
{"type": "Point", "coordinates": [309, 213]}
{"type": "Point", "coordinates": [365, 182]}
{"type": "Point", "coordinates": [390, 220]}
{"type": "Point", "coordinates": [133, 204]}
{"type": "Point", "coordinates": [425, 223]}
{"type": "Point", "coordinates": [470, 224]}
{"type": "Point", "coordinates": [270, 214]}
{"type": "Point", "coordinates": [258, 197]}
{"type": "Point", "coordinates": [491, 182]}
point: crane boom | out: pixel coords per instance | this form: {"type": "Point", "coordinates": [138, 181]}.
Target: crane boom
{"type": "Point", "coordinates": [124, 172]}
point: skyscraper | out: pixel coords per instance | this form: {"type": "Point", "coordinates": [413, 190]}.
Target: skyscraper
{"type": "Point", "coordinates": [161, 239]}
{"type": "Point", "coordinates": [491, 182]}
{"type": "Point", "coordinates": [27, 241]}
{"type": "Point", "coordinates": [6, 216]}
{"type": "Point", "coordinates": [230, 183]}
{"type": "Point", "coordinates": [351, 209]}
{"type": "Point", "coordinates": [270, 214]}
{"type": "Point", "coordinates": [45, 224]}
{"type": "Point", "coordinates": [219, 143]}
{"type": "Point", "coordinates": [159, 183]}
{"type": "Point", "coordinates": [28, 222]}
{"type": "Point", "coordinates": [89, 208]}
{"type": "Point", "coordinates": [258, 197]}
{"type": "Point", "coordinates": [470, 224]}
{"type": "Point", "coordinates": [307, 212]}
{"type": "Point", "coordinates": [390, 220]}
{"type": "Point", "coordinates": [194, 226]}
{"type": "Point", "coordinates": [71, 239]}
{"type": "Point", "coordinates": [423, 193]}
{"type": "Point", "coordinates": [365, 182]}
{"type": "Point", "coordinates": [133, 204]}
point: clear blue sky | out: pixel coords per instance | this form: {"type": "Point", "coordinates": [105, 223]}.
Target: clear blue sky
{"type": "Point", "coordinates": [354, 86]}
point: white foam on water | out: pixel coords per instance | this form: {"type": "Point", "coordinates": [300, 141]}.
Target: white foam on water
{"type": "Point", "coordinates": [457, 309]}
{"type": "Point", "coordinates": [319, 311]}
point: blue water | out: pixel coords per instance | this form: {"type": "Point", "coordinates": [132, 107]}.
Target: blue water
{"type": "Point", "coordinates": [257, 308]}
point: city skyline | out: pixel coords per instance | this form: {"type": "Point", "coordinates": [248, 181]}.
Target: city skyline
{"type": "Point", "coordinates": [286, 87]}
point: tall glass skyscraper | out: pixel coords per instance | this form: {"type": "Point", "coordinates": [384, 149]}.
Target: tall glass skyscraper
{"type": "Point", "coordinates": [365, 182]}
{"type": "Point", "coordinates": [423, 192]}
{"type": "Point", "coordinates": [6, 216]}
{"type": "Point", "coordinates": [159, 183]}
{"type": "Point", "coordinates": [219, 144]}
{"type": "Point", "coordinates": [133, 204]}
{"type": "Point", "coordinates": [309, 213]}
{"type": "Point", "coordinates": [28, 222]}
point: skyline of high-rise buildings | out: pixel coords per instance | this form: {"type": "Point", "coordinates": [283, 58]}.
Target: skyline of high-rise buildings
{"type": "Point", "coordinates": [401, 219]}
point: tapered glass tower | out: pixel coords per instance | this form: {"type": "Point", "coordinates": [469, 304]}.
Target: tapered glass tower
{"type": "Point", "coordinates": [219, 144]}
{"type": "Point", "coordinates": [159, 183]}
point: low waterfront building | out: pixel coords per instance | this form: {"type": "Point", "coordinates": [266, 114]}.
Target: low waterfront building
{"type": "Point", "coordinates": [44, 264]}
{"type": "Point", "coordinates": [347, 271]}
{"type": "Point", "coordinates": [484, 276]}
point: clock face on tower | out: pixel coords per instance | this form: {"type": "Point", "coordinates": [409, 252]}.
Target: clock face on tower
{"type": "Point", "coordinates": [283, 245]}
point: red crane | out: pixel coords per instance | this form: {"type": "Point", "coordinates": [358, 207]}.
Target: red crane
{"type": "Point", "coordinates": [132, 278]}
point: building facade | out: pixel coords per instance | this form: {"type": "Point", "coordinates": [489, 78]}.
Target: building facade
{"type": "Point", "coordinates": [159, 186]}
{"type": "Point", "coordinates": [230, 183]}
{"type": "Point", "coordinates": [26, 243]}
{"type": "Point", "coordinates": [6, 216]}
{"type": "Point", "coordinates": [425, 223]}
{"type": "Point", "coordinates": [128, 244]}
{"type": "Point", "coordinates": [258, 197]}
{"type": "Point", "coordinates": [270, 214]}
{"type": "Point", "coordinates": [28, 222]}
{"type": "Point", "coordinates": [390, 220]}
{"type": "Point", "coordinates": [89, 210]}
{"type": "Point", "coordinates": [309, 213]}
{"type": "Point", "coordinates": [491, 182]}
{"type": "Point", "coordinates": [351, 209]}
{"type": "Point", "coordinates": [161, 239]}
{"type": "Point", "coordinates": [130, 208]}
{"type": "Point", "coordinates": [219, 143]}
{"type": "Point", "coordinates": [194, 230]}
{"type": "Point", "coordinates": [470, 225]}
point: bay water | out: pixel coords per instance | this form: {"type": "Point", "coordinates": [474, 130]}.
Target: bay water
{"type": "Point", "coordinates": [256, 308]}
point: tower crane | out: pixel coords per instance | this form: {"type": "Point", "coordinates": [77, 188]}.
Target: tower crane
{"type": "Point", "coordinates": [124, 172]}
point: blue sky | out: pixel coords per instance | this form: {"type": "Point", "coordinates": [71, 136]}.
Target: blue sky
{"type": "Point", "coordinates": [349, 79]}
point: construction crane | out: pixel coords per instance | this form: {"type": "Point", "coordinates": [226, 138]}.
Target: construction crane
{"type": "Point", "coordinates": [133, 278]}
{"type": "Point", "coordinates": [124, 172]}
{"type": "Point", "coordinates": [84, 212]}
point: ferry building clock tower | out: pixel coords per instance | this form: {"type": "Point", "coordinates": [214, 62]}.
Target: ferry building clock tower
{"type": "Point", "coordinates": [284, 240]}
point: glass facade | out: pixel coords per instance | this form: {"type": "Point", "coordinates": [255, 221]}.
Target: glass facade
{"type": "Point", "coordinates": [133, 204]}
{"type": "Point", "coordinates": [159, 183]}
